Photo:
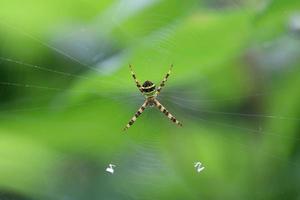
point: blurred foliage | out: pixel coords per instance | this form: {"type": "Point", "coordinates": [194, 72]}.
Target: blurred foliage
{"type": "Point", "coordinates": [66, 93]}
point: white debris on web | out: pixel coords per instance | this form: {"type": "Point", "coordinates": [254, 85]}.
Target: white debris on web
{"type": "Point", "coordinates": [199, 167]}
{"type": "Point", "coordinates": [110, 168]}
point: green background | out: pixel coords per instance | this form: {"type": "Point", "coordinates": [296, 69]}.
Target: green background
{"type": "Point", "coordinates": [66, 93]}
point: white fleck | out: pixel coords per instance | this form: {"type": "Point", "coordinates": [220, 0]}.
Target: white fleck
{"type": "Point", "coordinates": [110, 169]}
{"type": "Point", "coordinates": [198, 166]}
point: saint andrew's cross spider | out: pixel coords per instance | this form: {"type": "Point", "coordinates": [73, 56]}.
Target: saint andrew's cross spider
{"type": "Point", "coordinates": [148, 89]}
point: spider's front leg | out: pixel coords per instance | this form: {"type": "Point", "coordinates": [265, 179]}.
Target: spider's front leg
{"type": "Point", "coordinates": [136, 115]}
{"type": "Point", "coordinates": [166, 112]}
{"type": "Point", "coordinates": [162, 84]}
{"type": "Point", "coordinates": [135, 79]}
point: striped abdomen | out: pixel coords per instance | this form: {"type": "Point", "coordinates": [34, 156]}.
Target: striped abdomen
{"type": "Point", "coordinates": [149, 88]}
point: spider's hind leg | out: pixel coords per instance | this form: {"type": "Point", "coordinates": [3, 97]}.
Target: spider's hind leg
{"type": "Point", "coordinates": [162, 84]}
{"type": "Point", "coordinates": [135, 79]}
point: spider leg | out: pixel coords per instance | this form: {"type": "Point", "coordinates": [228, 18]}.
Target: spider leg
{"type": "Point", "coordinates": [162, 84]}
{"type": "Point", "coordinates": [166, 112]}
{"type": "Point", "coordinates": [136, 115]}
{"type": "Point", "coordinates": [135, 79]}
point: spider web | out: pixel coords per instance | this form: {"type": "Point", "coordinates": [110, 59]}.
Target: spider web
{"type": "Point", "coordinates": [225, 133]}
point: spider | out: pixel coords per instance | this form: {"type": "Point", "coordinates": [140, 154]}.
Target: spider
{"type": "Point", "coordinates": [148, 89]}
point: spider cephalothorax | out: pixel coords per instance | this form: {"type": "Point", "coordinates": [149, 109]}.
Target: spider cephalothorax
{"type": "Point", "coordinates": [149, 90]}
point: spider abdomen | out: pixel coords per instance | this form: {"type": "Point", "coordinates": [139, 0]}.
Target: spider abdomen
{"type": "Point", "coordinates": [148, 88]}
